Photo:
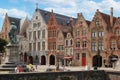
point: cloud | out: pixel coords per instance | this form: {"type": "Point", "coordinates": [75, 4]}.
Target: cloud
{"type": "Point", "coordinates": [13, 12]}
{"type": "Point", "coordinates": [87, 7]}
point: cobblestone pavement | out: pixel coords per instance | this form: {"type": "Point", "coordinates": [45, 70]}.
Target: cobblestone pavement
{"type": "Point", "coordinates": [43, 68]}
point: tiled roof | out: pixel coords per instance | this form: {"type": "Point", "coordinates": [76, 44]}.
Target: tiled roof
{"type": "Point", "coordinates": [16, 20]}
{"type": "Point", "coordinates": [61, 19]}
{"type": "Point", "coordinates": [106, 17]}
{"type": "Point", "coordinates": [88, 22]}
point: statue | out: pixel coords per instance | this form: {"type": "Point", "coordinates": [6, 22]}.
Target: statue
{"type": "Point", "coordinates": [12, 33]}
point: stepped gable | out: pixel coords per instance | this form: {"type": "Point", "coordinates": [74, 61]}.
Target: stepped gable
{"type": "Point", "coordinates": [16, 20]}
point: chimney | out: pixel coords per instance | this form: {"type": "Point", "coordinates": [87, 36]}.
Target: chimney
{"type": "Point", "coordinates": [111, 17]}
{"type": "Point", "coordinates": [97, 10]}
{"type": "Point", "coordinates": [79, 14]}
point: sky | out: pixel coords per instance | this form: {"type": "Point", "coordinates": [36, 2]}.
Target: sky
{"type": "Point", "coordinates": [23, 8]}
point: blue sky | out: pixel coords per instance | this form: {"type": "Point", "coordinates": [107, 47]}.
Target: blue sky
{"type": "Point", "coordinates": [23, 8]}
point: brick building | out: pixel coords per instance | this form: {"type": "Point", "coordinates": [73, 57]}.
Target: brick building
{"type": "Point", "coordinates": [81, 41]}
{"type": "Point", "coordinates": [101, 34]}
{"type": "Point", "coordinates": [57, 24]}
{"type": "Point", "coordinates": [6, 26]}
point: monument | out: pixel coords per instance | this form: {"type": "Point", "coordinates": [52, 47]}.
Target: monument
{"type": "Point", "coordinates": [12, 54]}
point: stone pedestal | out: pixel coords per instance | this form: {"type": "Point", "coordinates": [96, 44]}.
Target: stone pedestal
{"type": "Point", "coordinates": [12, 54]}
{"type": "Point", "coordinates": [11, 59]}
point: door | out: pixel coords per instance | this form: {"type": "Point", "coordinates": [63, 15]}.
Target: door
{"type": "Point", "coordinates": [83, 59]}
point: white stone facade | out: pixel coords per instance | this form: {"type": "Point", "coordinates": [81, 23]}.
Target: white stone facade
{"type": "Point", "coordinates": [37, 37]}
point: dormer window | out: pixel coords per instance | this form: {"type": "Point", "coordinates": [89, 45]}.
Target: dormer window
{"type": "Point", "coordinates": [68, 35]}
{"type": "Point", "coordinates": [97, 23]}
{"type": "Point", "coordinates": [81, 23]}
{"type": "Point", "coordinates": [36, 17]}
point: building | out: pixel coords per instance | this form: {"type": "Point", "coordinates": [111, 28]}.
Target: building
{"type": "Point", "coordinates": [57, 25]}
{"type": "Point", "coordinates": [22, 39]}
{"type": "Point", "coordinates": [6, 26]}
{"type": "Point", "coordinates": [38, 37]}
{"type": "Point", "coordinates": [68, 48]}
{"type": "Point", "coordinates": [81, 41]}
{"type": "Point", "coordinates": [100, 28]}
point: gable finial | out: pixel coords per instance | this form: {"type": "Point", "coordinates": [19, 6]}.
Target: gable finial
{"type": "Point", "coordinates": [36, 5]}
{"type": "Point", "coordinates": [52, 10]}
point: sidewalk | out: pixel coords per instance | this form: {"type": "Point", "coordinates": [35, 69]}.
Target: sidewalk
{"type": "Point", "coordinates": [42, 68]}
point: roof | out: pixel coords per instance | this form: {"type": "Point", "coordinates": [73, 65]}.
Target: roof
{"type": "Point", "coordinates": [88, 22]}
{"type": "Point", "coordinates": [61, 19]}
{"type": "Point", "coordinates": [16, 20]}
{"type": "Point", "coordinates": [106, 17]}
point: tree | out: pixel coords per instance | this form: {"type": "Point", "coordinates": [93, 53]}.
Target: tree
{"type": "Point", "coordinates": [3, 43]}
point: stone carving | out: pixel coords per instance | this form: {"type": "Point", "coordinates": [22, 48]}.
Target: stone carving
{"type": "Point", "coordinates": [12, 33]}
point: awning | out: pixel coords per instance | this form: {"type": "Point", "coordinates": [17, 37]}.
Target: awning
{"type": "Point", "coordinates": [67, 57]}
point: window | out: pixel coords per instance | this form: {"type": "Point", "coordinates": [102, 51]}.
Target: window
{"type": "Point", "coordinates": [100, 46]}
{"type": "Point", "coordinates": [71, 42]}
{"type": "Point", "coordinates": [81, 23]}
{"type": "Point", "coordinates": [43, 33]}
{"type": "Point", "coordinates": [68, 35]}
{"type": "Point", "coordinates": [117, 32]}
{"type": "Point", "coordinates": [54, 45]}
{"type": "Point", "coordinates": [43, 45]}
{"type": "Point", "coordinates": [112, 45]}
{"type": "Point", "coordinates": [77, 56]}
{"type": "Point", "coordinates": [66, 42]}
{"type": "Point", "coordinates": [71, 51]}
{"type": "Point", "coordinates": [34, 35]}
{"type": "Point", "coordinates": [60, 47]}
{"type": "Point", "coordinates": [39, 46]}
{"type": "Point", "coordinates": [30, 46]}
{"type": "Point", "coordinates": [39, 24]}
{"type": "Point", "coordinates": [66, 51]}
{"type": "Point", "coordinates": [119, 44]}
{"type": "Point", "coordinates": [97, 23]}
{"type": "Point", "coordinates": [36, 17]}
{"type": "Point", "coordinates": [77, 32]}
{"type": "Point", "coordinates": [77, 43]}
{"type": "Point", "coordinates": [93, 46]}
{"type": "Point", "coordinates": [34, 25]}
{"type": "Point", "coordinates": [60, 38]}
{"type": "Point", "coordinates": [54, 33]}
{"type": "Point", "coordinates": [39, 34]}
{"type": "Point", "coordinates": [93, 34]}
{"type": "Point", "coordinates": [30, 35]}
{"type": "Point", "coordinates": [83, 32]}
{"type": "Point", "coordinates": [49, 34]}
{"type": "Point", "coordinates": [84, 44]}
{"type": "Point", "coordinates": [34, 46]}
{"type": "Point", "coordinates": [100, 34]}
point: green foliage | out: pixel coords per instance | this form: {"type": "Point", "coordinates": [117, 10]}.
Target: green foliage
{"type": "Point", "coordinates": [3, 43]}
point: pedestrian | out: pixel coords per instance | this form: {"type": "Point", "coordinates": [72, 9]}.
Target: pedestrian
{"type": "Point", "coordinates": [16, 69]}
{"type": "Point", "coordinates": [36, 66]}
